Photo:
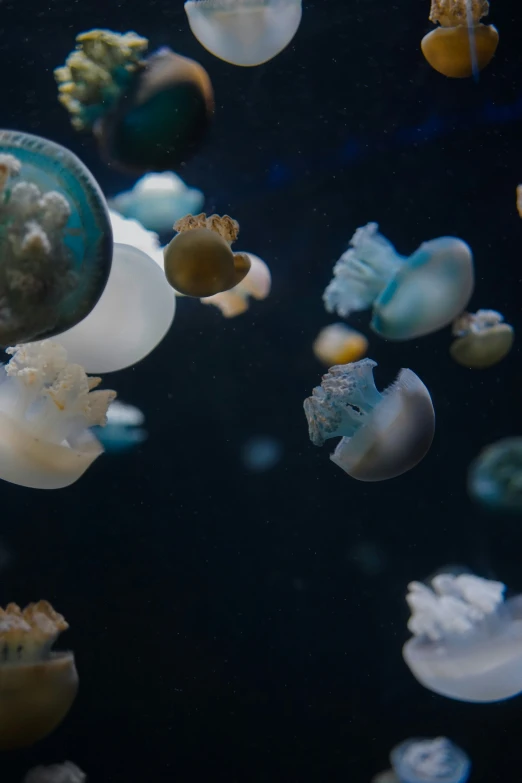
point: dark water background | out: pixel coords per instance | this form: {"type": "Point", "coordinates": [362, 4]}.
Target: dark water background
{"type": "Point", "coordinates": [240, 627]}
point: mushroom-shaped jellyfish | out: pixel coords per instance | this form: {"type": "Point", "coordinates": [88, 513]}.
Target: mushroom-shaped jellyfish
{"type": "Point", "coordinates": [467, 641]}
{"type": "Point", "coordinates": [411, 296]}
{"type": "Point", "coordinates": [483, 339]}
{"type": "Point", "coordinates": [47, 407]}
{"type": "Point", "coordinates": [158, 200]}
{"type": "Point", "coordinates": [339, 344]}
{"type": "Point", "coordinates": [244, 32]}
{"type": "Point", "coordinates": [256, 284]}
{"type": "Point", "coordinates": [123, 430]}
{"type": "Point", "coordinates": [199, 260]}
{"type": "Point", "coordinates": [56, 773]}
{"type": "Point", "coordinates": [37, 685]}
{"type": "Point", "coordinates": [146, 114]}
{"type": "Point", "coordinates": [384, 433]}
{"type": "Point", "coordinates": [55, 239]}
{"type": "Point", "coordinates": [495, 476]}
{"type": "Point", "coordinates": [461, 46]}
{"type": "Point", "coordinates": [436, 760]}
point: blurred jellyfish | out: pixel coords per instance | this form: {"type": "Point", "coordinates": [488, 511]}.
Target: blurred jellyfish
{"type": "Point", "coordinates": [430, 761]}
{"type": "Point", "coordinates": [146, 114]}
{"type": "Point", "coordinates": [338, 344]}
{"type": "Point", "coordinates": [123, 430]}
{"type": "Point", "coordinates": [37, 685]}
{"type": "Point", "coordinates": [388, 776]}
{"type": "Point", "coordinates": [199, 260]}
{"type": "Point", "coordinates": [384, 434]}
{"type": "Point", "coordinates": [461, 46]}
{"type": "Point", "coordinates": [519, 200]}
{"type": "Point", "coordinates": [467, 641]}
{"type": "Point", "coordinates": [411, 296]}
{"type": "Point", "coordinates": [56, 773]}
{"type": "Point", "coordinates": [158, 200]}
{"type": "Point", "coordinates": [256, 284]}
{"type": "Point", "coordinates": [244, 32]}
{"type": "Point", "coordinates": [261, 453]}
{"type": "Point", "coordinates": [55, 239]}
{"type": "Point", "coordinates": [47, 408]}
{"type": "Point", "coordinates": [131, 232]}
{"type": "Point", "coordinates": [495, 476]}
{"type": "Point", "coordinates": [483, 339]}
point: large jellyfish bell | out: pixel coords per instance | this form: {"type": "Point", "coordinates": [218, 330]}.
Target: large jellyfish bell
{"type": "Point", "coordinates": [244, 32]}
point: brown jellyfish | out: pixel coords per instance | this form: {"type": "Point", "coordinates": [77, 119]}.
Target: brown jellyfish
{"type": "Point", "coordinates": [461, 46]}
{"type": "Point", "coordinates": [37, 685]}
{"type": "Point", "coordinates": [483, 339]}
{"type": "Point", "coordinates": [199, 260]}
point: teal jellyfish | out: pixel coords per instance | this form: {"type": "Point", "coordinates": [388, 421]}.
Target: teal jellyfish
{"type": "Point", "coordinates": [55, 239]}
{"type": "Point", "coordinates": [438, 760]}
{"type": "Point", "coordinates": [384, 434]}
{"type": "Point", "coordinates": [147, 114]}
{"type": "Point", "coordinates": [495, 476]}
{"type": "Point", "coordinates": [409, 297]}
{"type": "Point", "coordinates": [123, 430]}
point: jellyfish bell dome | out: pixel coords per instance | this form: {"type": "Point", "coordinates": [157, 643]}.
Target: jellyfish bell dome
{"type": "Point", "coordinates": [420, 760]}
{"type": "Point", "coordinates": [56, 238]}
{"type": "Point", "coordinates": [483, 339]}
{"type": "Point", "coordinates": [244, 32]}
{"type": "Point", "coordinates": [495, 476]}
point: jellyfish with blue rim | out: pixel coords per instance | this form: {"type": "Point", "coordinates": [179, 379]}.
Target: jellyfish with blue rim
{"type": "Point", "coordinates": [423, 760]}
{"type": "Point", "coordinates": [495, 476]}
{"type": "Point", "coordinates": [55, 239]}
{"type": "Point", "coordinates": [123, 430]}
{"type": "Point", "coordinates": [409, 296]}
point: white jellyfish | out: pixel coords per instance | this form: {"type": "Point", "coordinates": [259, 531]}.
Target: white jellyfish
{"type": "Point", "coordinates": [123, 430]}
{"type": "Point", "coordinates": [244, 32]}
{"type": "Point", "coordinates": [467, 641]}
{"type": "Point", "coordinates": [422, 760]}
{"type": "Point", "coordinates": [56, 773]}
{"type": "Point", "coordinates": [256, 284]}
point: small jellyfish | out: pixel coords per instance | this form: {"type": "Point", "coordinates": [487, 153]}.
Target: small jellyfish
{"type": "Point", "coordinates": [37, 685]}
{"type": "Point", "coordinates": [410, 297]}
{"type": "Point", "coordinates": [384, 434]}
{"type": "Point", "coordinates": [436, 760]}
{"type": "Point", "coordinates": [55, 239]}
{"type": "Point", "coordinates": [261, 453]}
{"type": "Point", "coordinates": [256, 284]}
{"type": "Point", "coordinates": [519, 200]}
{"type": "Point", "coordinates": [461, 46]}
{"type": "Point", "coordinates": [338, 344]}
{"type": "Point", "coordinates": [47, 407]}
{"type": "Point", "coordinates": [495, 476]}
{"type": "Point", "coordinates": [56, 773]}
{"type": "Point", "coordinates": [131, 232]}
{"type": "Point", "coordinates": [123, 430]}
{"type": "Point", "coordinates": [483, 339]}
{"type": "Point", "coordinates": [467, 641]}
{"type": "Point", "coordinates": [244, 32]}
{"type": "Point", "coordinates": [199, 261]}
{"type": "Point", "coordinates": [158, 200]}
{"type": "Point", "coordinates": [146, 114]}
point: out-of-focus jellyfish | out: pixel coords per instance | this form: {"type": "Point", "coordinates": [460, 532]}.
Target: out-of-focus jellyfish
{"type": "Point", "coordinates": [519, 200]}
{"type": "Point", "coordinates": [411, 296]}
{"type": "Point", "coordinates": [56, 773]}
{"type": "Point", "coordinates": [55, 239]}
{"type": "Point", "coordinates": [461, 46]}
{"type": "Point", "coordinates": [47, 407]}
{"type": "Point", "coordinates": [388, 776]}
{"type": "Point", "coordinates": [37, 685]}
{"type": "Point", "coordinates": [123, 430]}
{"type": "Point", "coordinates": [338, 344]}
{"type": "Point", "coordinates": [146, 114]}
{"type": "Point", "coordinates": [384, 433]}
{"type": "Point", "coordinates": [131, 232]}
{"type": "Point", "coordinates": [256, 284]}
{"type": "Point", "coordinates": [244, 32]}
{"type": "Point", "coordinates": [158, 200]}
{"type": "Point", "coordinates": [261, 453]}
{"type": "Point", "coordinates": [483, 339]}
{"type": "Point", "coordinates": [495, 476]}
{"type": "Point", "coordinates": [436, 760]}
{"type": "Point", "coordinates": [199, 260]}
{"type": "Point", "coordinates": [467, 641]}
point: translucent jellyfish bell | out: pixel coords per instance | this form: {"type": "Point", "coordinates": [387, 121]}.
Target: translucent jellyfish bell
{"type": "Point", "coordinates": [384, 434]}
{"type": "Point", "coordinates": [244, 32]}
{"type": "Point", "coordinates": [410, 297]}
{"type": "Point", "coordinates": [123, 430]}
{"type": "Point", "coordinates": [430, 761]}
{"type": "Point", "coordinates": [256, 284]}
{"type": "Point", "coordinates": [483, 339]}
{"type": "Point", "coordinates": [495, 476]}
{"type": "Point", "coordinates": [127, 231]}
{"type": "Point", "coordinates": [467, 641]}
{"type": "Point", "coordinates": [56, 773]}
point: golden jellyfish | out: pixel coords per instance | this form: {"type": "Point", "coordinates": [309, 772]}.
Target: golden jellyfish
{"type": "Point", "coordinates": [37, 685]}
{"type": "Point", "coordinates": [519, 200]}
{"type": "Point", "coordinates": [199, 260]}
{"type": "Point", "coordinates": [256, 284]}
{"type": "Point", "coordinates": [461, 46]}
{"type": "Point", "coordinates": [338, 344]}
{"type": "Point", "coordinates": [483, 339]}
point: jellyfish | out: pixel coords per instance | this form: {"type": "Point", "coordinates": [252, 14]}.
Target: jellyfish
{"type": "Point", "coordinates": [47, 407]}
{"type": "Point", "coordinates": [483, 339]}
{"type": "Point", "coordinates": [55, 239]}
{"type": "Point", "coordinates": [127, 231]}
{"type": "Point", "coordinates": [256, 284]}
{"type": "Point", "coordinates": [338, 344]}
{"type": "Point", "coordinates": [410, 297]}
{"type": "Point", "coordinates": [56, 773]}
{"type": "Point", "coordinates": [461, 46]}
{"type": "Point", "coordinates": [199, 261]}
{"type": "Point", "coordinates": [158, 200]}
{"type": "Point", "coordinates": [37, 685]}
{"type": "Point", "coordinates": [244, 32]}
{"type": "Point", "coordinates": [384, 434]}
{"type": "Point", "coordinates": [146, 114]}
{"type": "Point", "coordinates": [261, 453]}
{"type": "Point", "coordinates": [495, 476]}
{"type": "Point", "coordinates": [438, 760]}
{"type": "Point", "coordinates": [467, 640]}
{"type": "Point", "coordinates": [123, 430]}
{"type": "Point", "coordinates": [519, 200]}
